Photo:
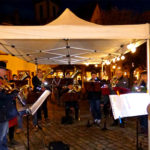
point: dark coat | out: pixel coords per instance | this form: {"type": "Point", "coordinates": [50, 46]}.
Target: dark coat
{"type": "Point", "coordinates": [94, 95]}
{"type": "Point", "coordinates": [7, 107]}
{"type": "Point", "coordinates": [36, 83]}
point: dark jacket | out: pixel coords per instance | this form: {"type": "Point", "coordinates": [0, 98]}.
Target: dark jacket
{"type": "Point", "coordinates": [36, 83]}
{"type": "Point", "coordinates": [123, 82]}
{"type": "Point", "coordinates": [95, 95]}
{"type": "Point", "coordinates": [7, 107]}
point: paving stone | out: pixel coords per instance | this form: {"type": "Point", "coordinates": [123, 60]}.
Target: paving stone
{"type": "Point", "coordinates": [78, 136]}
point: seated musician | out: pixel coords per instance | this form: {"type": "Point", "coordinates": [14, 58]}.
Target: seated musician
{"type": "Point", "coordinates": [37, 83]}
{"type": "Point", "coordinates": [94, 100]}
{"type": "Point", "coordinates": [120, 82]}
{"type": "Point", "coordinates": [7, 108]}
{"type": "Point", "coordinates": [71, 100]}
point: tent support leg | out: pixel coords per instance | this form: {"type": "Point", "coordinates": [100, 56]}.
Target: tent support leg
{"type": "Point", "coordinates": [148, 86]}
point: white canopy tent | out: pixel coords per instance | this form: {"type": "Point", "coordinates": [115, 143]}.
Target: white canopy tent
{"type": "Point", "coordinates": [69, 39]}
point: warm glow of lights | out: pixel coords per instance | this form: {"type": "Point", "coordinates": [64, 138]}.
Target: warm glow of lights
{"type": "Point", "coordinates": [114, 60]}
{"type": "Point", "coordinates": [125, 73]}
{"type": "Point", "coordinates": [118, 58]}
{"type": "Point", "coordinates": [87, 64]}
{"type": "Point", "coordinates": [96, 65]}
{"type": "Point", "coordinates": [114, 67]}
{"type": "Point", "coordinates": [133, 50]}
{"type": "Point", "coordinates": [132, 47]}
{"type": "Point", "coordinates": [108, 62]}
{"type": "Point", "coordinates": [122, 57]}
{"type": "Point", "coordinates": [119, 68]}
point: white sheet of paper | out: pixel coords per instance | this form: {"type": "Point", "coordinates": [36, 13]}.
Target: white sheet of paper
{"type": "Point", "coordinates": [39, 102]}
{"type": "Point", "coordinates": [128, 105]}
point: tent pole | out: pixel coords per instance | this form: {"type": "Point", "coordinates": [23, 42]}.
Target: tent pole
{"type": "Point", "coordinates": [102, 71]}
{"type": "Point", "coordinates": [148, 86]}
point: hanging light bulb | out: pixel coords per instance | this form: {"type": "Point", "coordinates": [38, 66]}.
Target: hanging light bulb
{"type": "Point", "coordinates": [118, 58]}
{"type": "Point", "coordinates": [122, 57]}
{"type": "Point", "coordinates": [108, 62]}
{"type": "Point", "coordinates": [130, 46]}
{"type": "Point", "coordinates": [96, 65]}
{"type": "Point", "coordinates": [114, 67]}
{"type": "Point", "coordinates": [87, 64]}
{"type": "Point", "coordinates": [114, 60]}
{"type": "Point", "coordinates": [133, 49]}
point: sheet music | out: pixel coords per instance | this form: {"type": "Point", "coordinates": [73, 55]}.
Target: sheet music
{"type": "Point", "coordinates": [32, 110]}
{"type": "Point", "coordinates": [128, 105]}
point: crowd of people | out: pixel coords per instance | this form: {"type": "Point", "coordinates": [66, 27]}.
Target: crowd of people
{"type": "Point", "coordinates": [11, 115]}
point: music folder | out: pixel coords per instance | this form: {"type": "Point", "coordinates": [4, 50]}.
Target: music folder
{"type": "Point", "coordinates": [129, 105]}
{"type": "Point", "coordinates": [33, 109]}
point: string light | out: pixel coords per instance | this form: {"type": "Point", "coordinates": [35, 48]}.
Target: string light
{"type": "Point", "coordinates": [114, 60]}
{"type": "Point", "coordinates": [87, 64]}
{"type": "Point", "coordinates": [133, 50]}
{"type": "Point", "coordinates": [132, 47]}
{"type": "Point", "coordinates": [122, 57]}
{"type": "Point", "coordinates": [114, 67]}
{"type": "Point", "coordinates": [118, 58]}
{"type": "Point", "coordinates": [108, 62]}
{"type": "Point", "coordinates": [96, 65]}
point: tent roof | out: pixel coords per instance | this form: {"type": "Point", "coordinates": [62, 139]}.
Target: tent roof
{"type": "Point", "coordinates": [69, 39]}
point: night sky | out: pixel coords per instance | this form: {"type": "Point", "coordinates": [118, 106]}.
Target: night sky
{"type": "Point", "coordinates": [25, 7]}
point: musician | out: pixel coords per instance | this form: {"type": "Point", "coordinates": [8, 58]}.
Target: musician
{"type": "Point", "coordinates": [120, 82]}
{"type": "Point", "coordinates": [37, 83]}
{"type": "Point", "coordinates": [94, 100]}
{"type": "Point", "coordinates": [71, 101]}
{"type": "Point", "coordinates": [6, 107]}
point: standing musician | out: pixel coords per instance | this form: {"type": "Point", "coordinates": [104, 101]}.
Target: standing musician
{"type": "Point", "coordinates": [7, 108]}
{"type": "Point", "coordinates": [37, 83]}
{"type": "Point", "coordinates": [70, 97]}
{"type": "Point", "coordinates": [94, 100]}
{"type": "Point", "coordinates": [122, 83]}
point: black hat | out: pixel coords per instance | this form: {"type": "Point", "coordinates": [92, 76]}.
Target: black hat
{"type": "Point", "coordinates": [3, 65]}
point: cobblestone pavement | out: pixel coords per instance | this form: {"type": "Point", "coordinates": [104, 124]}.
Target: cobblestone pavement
{"type": "Point", "coordinates": [78, 135]}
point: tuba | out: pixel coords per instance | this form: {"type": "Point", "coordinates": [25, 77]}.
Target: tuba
{"type": "Point", "coordinates": [45, 83]}
{"type": "Point", "coordinates": [76, 86]}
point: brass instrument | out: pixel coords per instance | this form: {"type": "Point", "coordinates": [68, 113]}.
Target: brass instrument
{"type": "Point", "coordinates": [46, 84]}
{"type": "Point", "coordinates": [49, 71]}
{"type": "Point", "coordinates": [76, 86]}
{"type": "Point", "coordinates": [114, 81]}
{"type": "Point", "coordinates": [25, 76]}
{"type": "Point", "coordinates": [6, 86]}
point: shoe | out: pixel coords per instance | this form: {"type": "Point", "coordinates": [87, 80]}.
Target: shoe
{"type": "Point", "coordinates": [95, 121]}
{"type": "Point", "coordinates": [98, 122]}
{"type": "Point", "coordinates": [18, 131]}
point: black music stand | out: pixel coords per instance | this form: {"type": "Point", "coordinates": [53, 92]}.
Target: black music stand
{"type": "Point", "coordinates": [33, 109]}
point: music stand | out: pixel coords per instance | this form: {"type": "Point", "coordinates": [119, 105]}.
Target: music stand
{"type": "Point", "coordinates": [33, 109]}
{"type": "Point", "coordinates": [129, 105]}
